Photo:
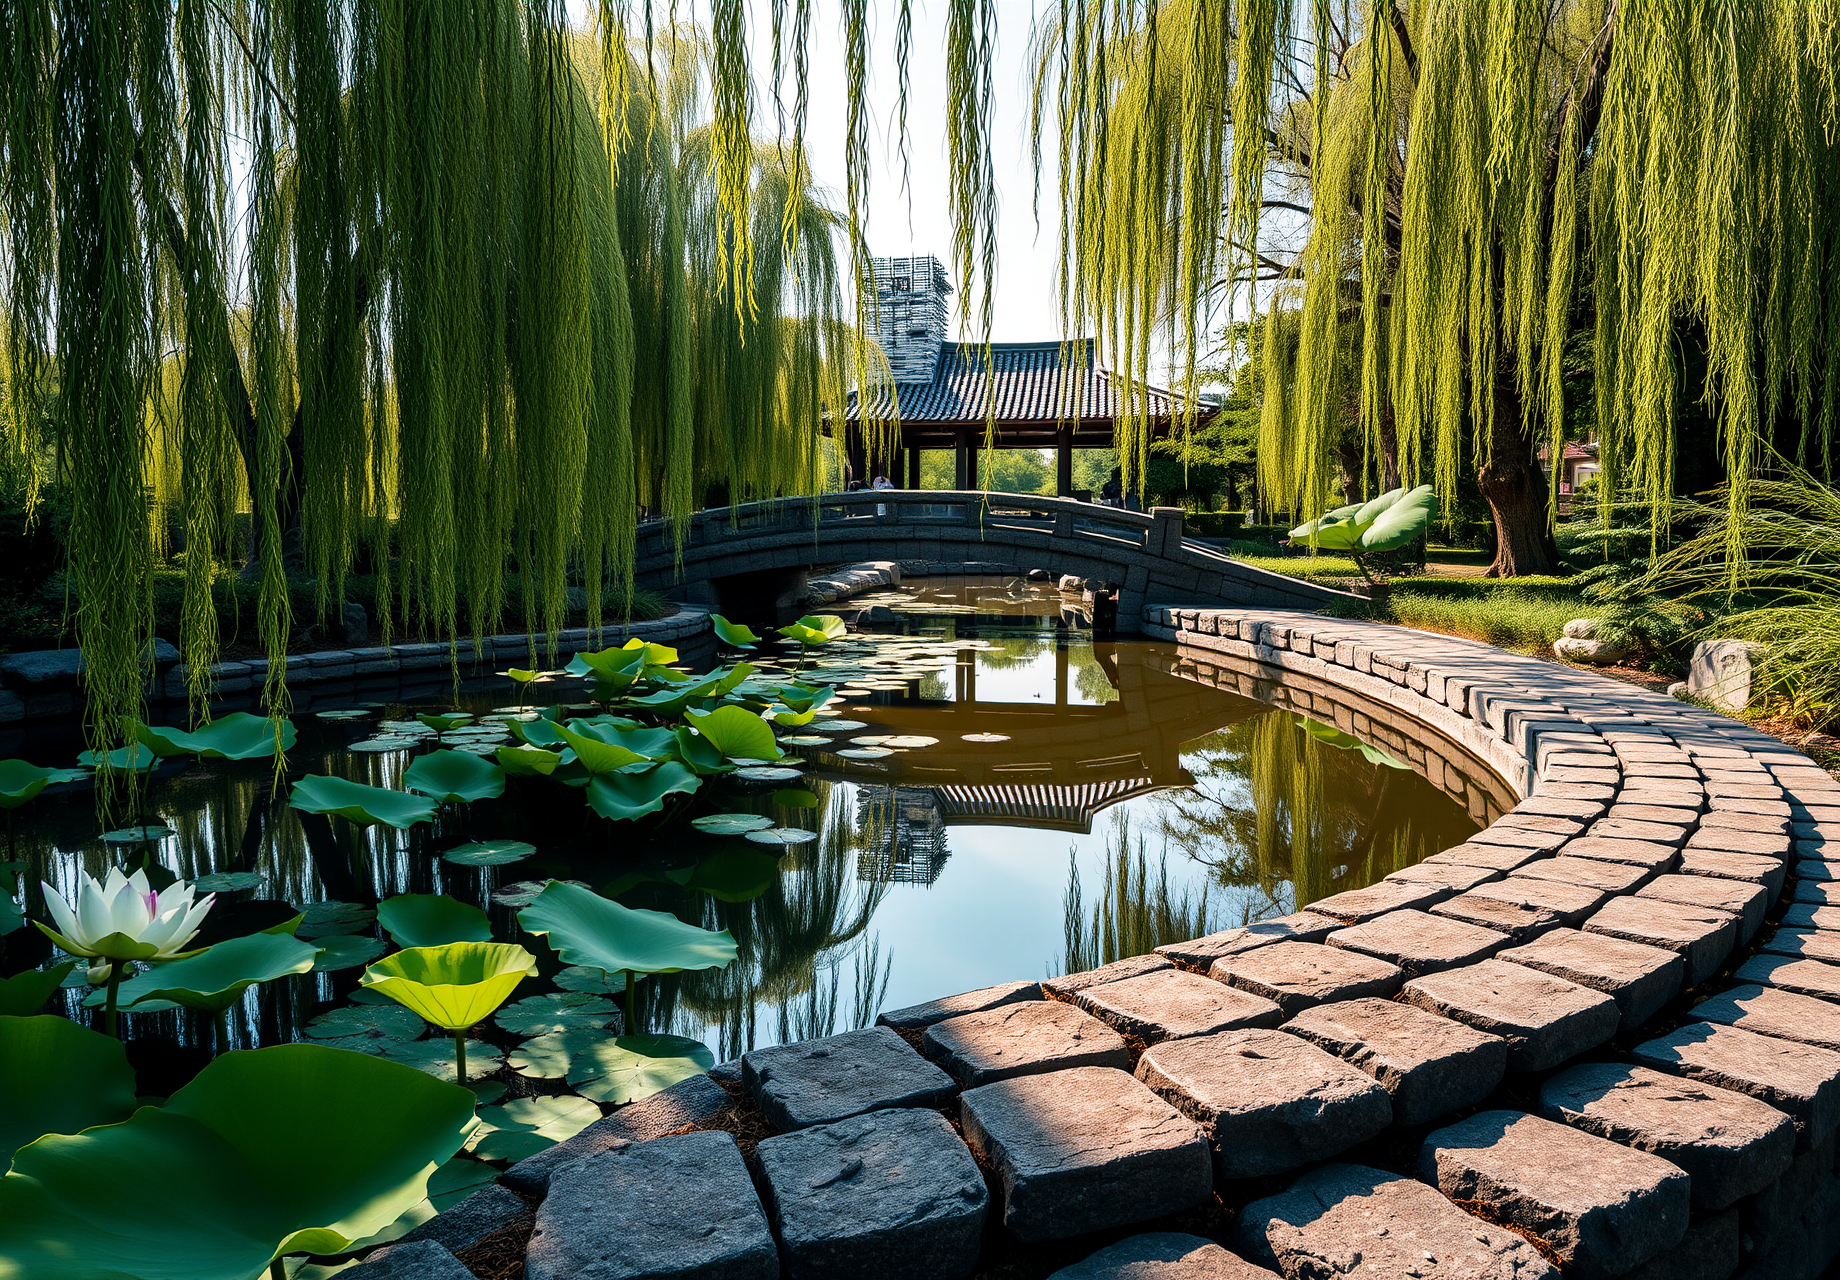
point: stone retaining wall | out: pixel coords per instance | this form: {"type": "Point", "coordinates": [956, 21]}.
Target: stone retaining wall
{"type": "Point", "coordinates": [1600, 1038]}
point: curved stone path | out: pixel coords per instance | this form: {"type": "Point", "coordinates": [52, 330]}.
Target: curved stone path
{"type": "Point", "coordinates": [1553, 1036]}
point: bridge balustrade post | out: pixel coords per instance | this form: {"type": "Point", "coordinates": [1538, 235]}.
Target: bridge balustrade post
{"type": "Point", "coordinates": [1165, 531]}
{"type": "Point", "coordinates": [1063, 524]}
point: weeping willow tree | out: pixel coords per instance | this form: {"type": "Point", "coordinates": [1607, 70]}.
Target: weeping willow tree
{"type": "Point", "coordinates": [1448, 189]}
{"type": "Point", "coordinates": [447, 287]}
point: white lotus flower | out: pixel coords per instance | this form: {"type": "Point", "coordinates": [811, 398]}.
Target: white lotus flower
{"type": "Point", "coordinates": [123, 919]}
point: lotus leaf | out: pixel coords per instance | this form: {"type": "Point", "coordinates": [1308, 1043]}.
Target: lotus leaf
{"type": "Point", "coordinates": [138, 835]}
{"type": "Point", "coordinates": [527, 762]}
{"type": "Point", "coordinates": [587, 929]}
{"type": "Point", "coordinates": [229, 881]}
{"type": "Point", "coordinates": [621, 797]}
{"type": "Point", "coordinates": [599, 757]}
{"type": "Point", "coordinates": [736, 731]}
{"type": "Point", "coordinates": [818, 628]}
{"type": "Point", "coordinates": [454, 777]}
{"type": "Point", "coordinates": [20, 781]}
{"type": "Point", "coordinates": [325, 919]}
{"type": "Point", "coordinates": [549, 1056]}
{"type": "Point", "coordinates": [556, 1011]}
{"type": "Point", "coordinates": [804, 697]}
{"type": "Point", "coordinates": [136, 757]}
{"type": "Point", "coordinates": [790, 719]}
{"type": "Point", "coordinates": [1401, 522]}
{"type": "Point", "coordinates": [1335, 530]}
{"type": "Point", "coordinates": [538, 733]}
{"type": "Point", "coordinates": [350, 713]}
{"type": "Point", "coordinates": [526, 1126]}
{"type": "Point", "coordinates": [236, 736]}
{"type": "Point", "coordinates": [733, 634]}
{"type": "Point", "coordinates": [438, 1056]}
{"type": "Point", "coordinates": [389, 1023]}
{"type": "Point", "coordinates": [652, 743]}
{"type": "Point", "coordinates": [442, 723]}
{"type": "Point", "coordinates": [489, 853]}
{"type": "Point", "coordinates": [58, 1077]}
{"type": "Point", "coordinates": [768, 773]}
{"type": "Point", "coordinates": [346, 953]}
{"type": "Point", "coordinates": [1329, 735]}
{"type": "Point", "coordinates": [11, 917]}
{"type": "Point", "coordinates": [795, 799]}
{"type": "Point", "coordinates": [700, 754]}
{"type": "Point", "coordinates": [782, 837]}
{"type": "Point", "coordinates": [217, 977]}
{"type": "Point", "coordinates": [453, 986]}
{"type": "Point", "coordinates": [24, 994]}
{"type": "Point", "coordinates": [628, 1068]}
{"type": "Point", "coordinates": [739, 875]}
{"type": "Point", "coordinates": [432, 920]}
{"type": "Point", "coordinates": [579, 979]}
{"type": "Point", "coordinates": [358, 803]}
{"type": "Point", "coordinates": [731, 824]}
{"type": "Point", "coordinates": [447, 1186]}
{"type": "Point", "coordinates": [521, 675]}
{"type": "Point", "coordinates": [224, 1182]}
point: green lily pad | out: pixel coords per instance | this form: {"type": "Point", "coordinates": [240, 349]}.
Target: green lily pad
{"type": "Point", "coordinates": [865, 753]}
{"type": "Point", "coordinates": [621, 797]}
{"type": "Point", "coordinates": [327, 919]}
{"type": "Point", "coordinates": [583, 980]}
{"type": "Point", "coordinates": [587, 929]}
{"type": "Point", "coordinates": [358, 803]}
{"type": "Point", "coordinates": [390, 1023]}
{"type": "Point", "coordinates": [805, 740]}
{"type": "Point", "coordinates": [138, 835]}
{"type": "Point", "coordinates": [795, 799]}
{"type": "Point", "coordinates": [489, 853]}
{"type": "Point", "coordinates": [236, 736]}
{"type": "Point", "coordinates": [527, 762]}
{"type": "Point", "coordinates": [738, 875]}
{"type": "Point", "coordinates": [435, 1056]}
{"type": "Point", "coordinates": [135, 758]}
{"type": "Point", "coordinates": [229, 881]}
{"type": "Point", "coordinates": [217, 977]}
{"type": "Point", "coordinates": [730, 824]}
{"type": "Point", "coordinates": [21, 781]}
{"type": "Point", "coordinates": [352, 713]}
{"type": "Point", "coordinates": [346, 952]}
{"type": "Point", "coordinates": [454, 777]}
{"type": "Point", "coordinates": [441, 724]}
{"type": "Point", "coordinates": [783, 837]}
{"type": "Point", "coordinates": [733, 634]}
{"type": "Point", "coordinates": [556, 1011]}
{"type": "Point", "coordinates": [432, 920]}
{"type": "Point", "coordinates": [769, 773]}
{"type": "Point", "coordinates": [58, 1077]}
{"type": "Point", "coordinates": [25, 994]}
{"type": "Point", "coordinates": [526, 1126]}
{"type": "Point", "coordinates": [379, 746]}
{"type": "Point", "coordinates": [821, 628]}
{"type": "Point", "coordinates": [630, 1068]}
{"type": "Point", "coordinates": [844, 726]}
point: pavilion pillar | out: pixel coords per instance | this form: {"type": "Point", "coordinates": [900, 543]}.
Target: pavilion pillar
{"type": "Point", "coordinates": [913, 466]}
{"type": "Point", "coordinates": [856, 456]}
{"type": "Point", "coordinates": [1063, 462]}
{"type": "Point", "coordinates": [961, 475]}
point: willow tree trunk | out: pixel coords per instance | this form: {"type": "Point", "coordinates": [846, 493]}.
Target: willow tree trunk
{"type": "Point", "coordinates": [1511, 479]}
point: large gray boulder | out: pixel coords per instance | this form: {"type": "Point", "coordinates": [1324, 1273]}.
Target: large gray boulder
{"type": "Point", "coordinates": [1720, 673]}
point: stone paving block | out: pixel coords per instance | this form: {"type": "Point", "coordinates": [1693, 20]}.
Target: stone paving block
{"type": "Point", "coordinates": [1624, 829]}
{"type": "Point", "coordinates": [1085, 1149]}
{"type": "Point", "coordinates": [918, 1017]}
{"type": "Point", "coordinates": [1572, 903]}
{"type": "Point", "coordinates": [1519, 920]}
{"type": "Point", "coordinates": [1800, 1080]}
{"type": "Point", "coordinates": [1768, 872]}
{"type": "Point", "coordinates": [1170, 1003]}
{"type": "Point", "coordinates": [1163, 1255]}
{"type": "Point", "coordinates": [1772, 1012]}
{"type": "Point", "coordinates": [887, 1194]}
{"type": "Point", "coordinates": [1791, 973]}
{"type": "Point", "coordinates": [1545, 1019]}
{"type": "Point", "coordinates": [489, 1211]}
{"type": "Point", "coordinates": [1356, 906]}
{"type": "Point", "coordinates": [1496, 857]}
{"type": "Point", "coordinates": [1808, 915]}
{"type": "Point", "coordinates": [1565, 826]}
{"type": "Point", "coordinates": [1554, 806]}
{"type": "Point", "coordinates": [674, 1206]}
{"type": "Point", "coordinates": [1520, 838]}
{"type": "Point", "coordinates": [1451, 875]}
{"type": "Point", "coordinates": [1762, 844]}
{"type": "Point", "coordinates": [1636, 853]}
{"type": "Point", "coordinates": [1304, 926]}
{"type": "Point", "coordinates": [1268, 1102]}
{"type": "Point", "coordinates": [819, 1081]}
{"type": "Point", "coordinates": [1063, 987]}
{"type": "Point", "coordinates": [1640, 978]}
{"type": "Point", "coordinates": [1725, 819]}
{"type": "Point", "coordinates": [1420, 942]}
{"type": "Point", "coordinates": [1684, 815]}
{"type": "Point", "coordinates": [1730, 1144]}
{"type": "Point", "coordinates": [1772, 1213]}
{"type": "Point", "coordinates": [688, 1102]}
{"type": "Point", "coordinates": [1803, 944]}
{"type": "Point", "coordinates": [421, 1260]}
{"type": "Point", "coordinates": [1350, 1220]}
{"type": "Point", "coordinates": [1022, 1039]}
{"type": "Point", "coordinates": [1601, 1208]}
{"type": "Point", "coordinates": [1428, 1064]}
{"type": "Point", "coordinates": [1743, 898]}
{"type": "Point", "coordinates": [1709, 1251]}
{"type": "Point", "coordinates": [1821, 891]}
{"type": "Point", "coordinates": [1297, 975]}
{"type": "Point", "coordinates": [1589, 873]}
{"type": "Point", "coordinates": [1703, 936]}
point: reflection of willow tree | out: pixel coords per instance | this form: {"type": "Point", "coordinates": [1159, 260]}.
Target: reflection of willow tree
{"type": "Point", "coordinates": [1135, 911]}
{"type": "Point", "coordinates": [1273, 807]}
{"type": "Point", "coordinates": [1012, 652]}
{"type": "Point", "coordinates": [1089, 677]}
{"type": "Point", "coordinates": [790, 941]}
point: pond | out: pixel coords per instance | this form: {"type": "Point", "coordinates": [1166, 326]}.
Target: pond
{"type": "Point", "coordinates": [990, 795]}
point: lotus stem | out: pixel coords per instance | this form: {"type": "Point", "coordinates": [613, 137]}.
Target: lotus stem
{"type": "Point", "coordinates": [108, 1000]}
{"type": "Point", "coordinates": [632, 1026]}
{"type": "Point", "coordinates": [460, 1053]}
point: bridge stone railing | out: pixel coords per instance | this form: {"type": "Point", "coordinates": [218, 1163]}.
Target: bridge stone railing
{"type": "Point", "coordinates": [1144, 553]}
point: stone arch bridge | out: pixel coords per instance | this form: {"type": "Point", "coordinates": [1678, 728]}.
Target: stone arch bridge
{"type": "Point", "coordinates": [1144, 553]}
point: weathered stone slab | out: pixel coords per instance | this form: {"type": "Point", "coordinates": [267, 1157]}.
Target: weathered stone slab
{"type": "Point", "coordinates": [820, 1081]}
{"type": "Point", "coordinates": [1743, 898]}
{"type": "Point", "coordinates": [1640, 978]}
{"type": "Point", "coordinates": [1022, 1039]}
{"type": "Point", "coordinates": [1304, 926]}
{"type": "Point", "coordinates": [1685, 815]}
{"type": "Point", "coordinates": [1570, 902]}
{"type": "Point", "coordinates": [1356, 906]}
{"type": "Point", "coordinates": [1428, 1064]}
{"type": "Point", "coordinates": [1772, 1012]}
{"type": "Point", "coordinates": [1804, 944]}
{"type": "Point", "coordinates": [918, 1017]}
{"type": "Point", "coordinates": [1807, 915]}
{"type": "Point", "coordinates": [1063, 987]}
{"type": "Point", "coordinates": [489, 1211]}
{"type": "Point", "coordinates": [1267, 1101]}
{"type": "Point", "coordinates": [674, 1206]}
{"type": "Point", "coordinates": [1451, 875]}
{"type": "Point", "coordinates": [688, 1102]}
{"type": "Point", "coordinates": [1297, 975]}
{"type": "Point", "coordinates": [1544, 1019]}
{"type": "Point", "coordinates": [1625, 829]}
{"type": "Point", "coordinates": [1420, 942]}
{"type": "Point", "coordinates": [1163, 1255]}
{"type": "Point", "coordinates": [1800, 1080]}
{"type": "Point", "coordinates": [1496, 857]}
{"type": "Point", "coordinates": [1519, 920]}
{"type": "Point", "coordinates": [1791, 973]}
{"type": "Point", "coordinates": [1730, 1144]}
{"type": "Point", "coordinates": [1347, 1219]}
{"type": "Point", "coordinates": [1703, 936]}
{"type": "Point", "coordinates": [1600, 1207]}
{"type": "Point", "coordinates": [887, 1194]}
{"type": "Point", "coordinates": [420, 1260]}
{"type": "Point", "coordinates": [1085, 1149]}
{"type": "Point", "coordinates": [1768, 872]}
{"type": "Point", "coordinates": [1762, 844]}
{"type": "Point", "coordinates": [1636, 853]}
{"type": "Point", "coordinates": [1590, 873]}
{"type": "Point", "coordinates": [1822, 890]}
{"type": "Point", "coordinates": [1170, 1003]}
{"type": "Point", "coordinates": [1726, 819]}
{"type": "Point", "coordinates": [1521, 837]}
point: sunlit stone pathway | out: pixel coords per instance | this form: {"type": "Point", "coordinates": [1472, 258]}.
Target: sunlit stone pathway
{"type": "Point", "coordinates": [1600, 1038]}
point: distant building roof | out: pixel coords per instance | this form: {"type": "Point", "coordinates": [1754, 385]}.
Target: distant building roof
{"type": "Point", "coordinates": [1036, 385]}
